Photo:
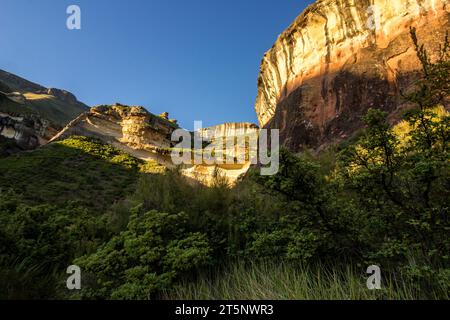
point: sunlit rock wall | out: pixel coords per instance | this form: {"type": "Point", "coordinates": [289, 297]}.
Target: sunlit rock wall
{"type": "Point", "coordinates": [339, 58]}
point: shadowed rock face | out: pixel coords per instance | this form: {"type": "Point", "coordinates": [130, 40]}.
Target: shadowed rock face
{"type": "Point", "coordinates": [22, 131]}
{"type": "Point", "coordinates": [334, 63]}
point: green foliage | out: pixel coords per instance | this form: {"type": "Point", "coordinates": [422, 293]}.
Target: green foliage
{"type": "Point", "coordinates": [433, 88]}
{"type": "Point", "coordinates": [266, 280]}
{"type": "Point", "coordinates": [38, 242]}
{"type": "Point", "coordinates": [402, 189]}
{"type": "Point", "coordinates": [76, 169]}
{"type": "Point", "coordinates": [51, 203]}
{"type": "Point", "coordinates": [145, 258]}
{"type": "Point", "coordinates": [309, 221]}
{"type": "Point", "coordinates": [401, 181]}
{"type": "Point", "coordinates": [138, 231]}
{"type": "Point", "coordinates": [8, 146]}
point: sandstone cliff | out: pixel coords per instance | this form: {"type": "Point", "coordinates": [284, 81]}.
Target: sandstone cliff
{"type": "Point", "coordinates": [148, 137]}
{"type": "Point", "coordinates": [131, 129]}
{"type": "Point", "coordinates": [230, 141]}
{"type": "Point", "coordinates": [339, 58]}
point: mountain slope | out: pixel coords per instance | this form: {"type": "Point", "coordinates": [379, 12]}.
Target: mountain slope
{"type": "Point", "coordinates": [31, 114]}
{"type": "Point", "coordinates": [55, 105]}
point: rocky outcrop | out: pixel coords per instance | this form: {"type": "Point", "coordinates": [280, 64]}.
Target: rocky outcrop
{"type": "Point", "coordinates": [21, 129]}
{"type": "Point", "coordinates": [62, 95]}
{"type": "Point", "coordinates": [231, 143]}
{"type": "Point", "coordinates": [339, 58]}
{"type": "Point", "coordinates": [16, 97]}
{"type": "Point", "coordinates": [29, 112]}
{"type": "Point", "coordinates": [231, 129]}
{"type": "Point", "coordinates": [149, 137]}
{"type": "Point", "coordinates": [131, 129]}
{"type": "Point", "coordinates": [23, 133]}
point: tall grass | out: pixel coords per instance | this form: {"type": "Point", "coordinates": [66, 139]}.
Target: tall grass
{"type": "Point", "coordinates": [284, 281]}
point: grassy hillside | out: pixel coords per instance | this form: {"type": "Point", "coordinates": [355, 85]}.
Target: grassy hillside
{"type": "Point", "coordinates": [76, 169]}
{"type": "Point", "coordinates": [4, 87]}
{"type": "Point", "coordinates": [12, 108]}
{"type": "Point", "coordinates": [58, 203]}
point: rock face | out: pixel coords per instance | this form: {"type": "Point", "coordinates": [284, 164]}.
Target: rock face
{"type": "Point", "coordinates": [131, 129]}
{"type": "Point", "coordinates": [63, 95]}
{"type": "Point", "coordinates": [340, 58]}
{"type": "Point", "coordinates": [231, 129]}
{"type": "Point", "coordinates": [21, 130]}
{"type": "Point", "coordinates": [230, 141]}
{"type": "Point", "coordinates": [26, 132]}
{"type": "Point", "coordinates": [32, 115]}
{"type": "Point", "coordinates": [149, 137]}
{"type": "Point", "coordinates": [16, 97]}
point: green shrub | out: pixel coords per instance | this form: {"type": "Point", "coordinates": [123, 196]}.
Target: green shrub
{"type": "Point", "coordinates": [146, 258]}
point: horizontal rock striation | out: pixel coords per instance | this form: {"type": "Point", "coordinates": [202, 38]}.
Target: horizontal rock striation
{"type": "Point", "coordinates": [131, 129]}
{"type": "Point", "coordinates": [340, 58]}
{"type": "Point", "coordinates": [231, 129]}
{"type": "Point", "coordinates": [149, 137]}
{"type": "Point", "coordinates": [231, 143]}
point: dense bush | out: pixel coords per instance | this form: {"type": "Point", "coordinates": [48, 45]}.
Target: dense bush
{"type": "Point", "coordinates": [38, 242]}
{"type": "Point", "coordinates": [137, 230]}
{"type": "Point", "coordinates": [52, 204]}
{"type": "Point", "coordinates": [146, 258]}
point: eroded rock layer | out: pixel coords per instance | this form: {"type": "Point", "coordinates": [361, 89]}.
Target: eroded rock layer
{"type": "Point", "coordinates": [131, 129]}
{"type": "Point", "coordinates": [338, 59]}
{"type": "Point", "coordinates": [149, 137]}
{"type": "Point", "coordinates": [22, 133]}
{"type": "Point", "coordinates": [232, 145]}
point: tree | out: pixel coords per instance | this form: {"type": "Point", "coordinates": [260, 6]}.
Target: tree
{"type": "Point", "coordinates": [146, 258]}
{"type": "Point", "coordinates": [401, 174]}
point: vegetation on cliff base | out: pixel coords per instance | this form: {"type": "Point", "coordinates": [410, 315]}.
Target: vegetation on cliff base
{"type": "Point", "coordinates": [77, 169]}
{"type": "Point", "coordinates": [310, 231]}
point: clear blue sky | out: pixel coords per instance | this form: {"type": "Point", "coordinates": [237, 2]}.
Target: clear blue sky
{"type": "Point", "coordinates": [196, 59]}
